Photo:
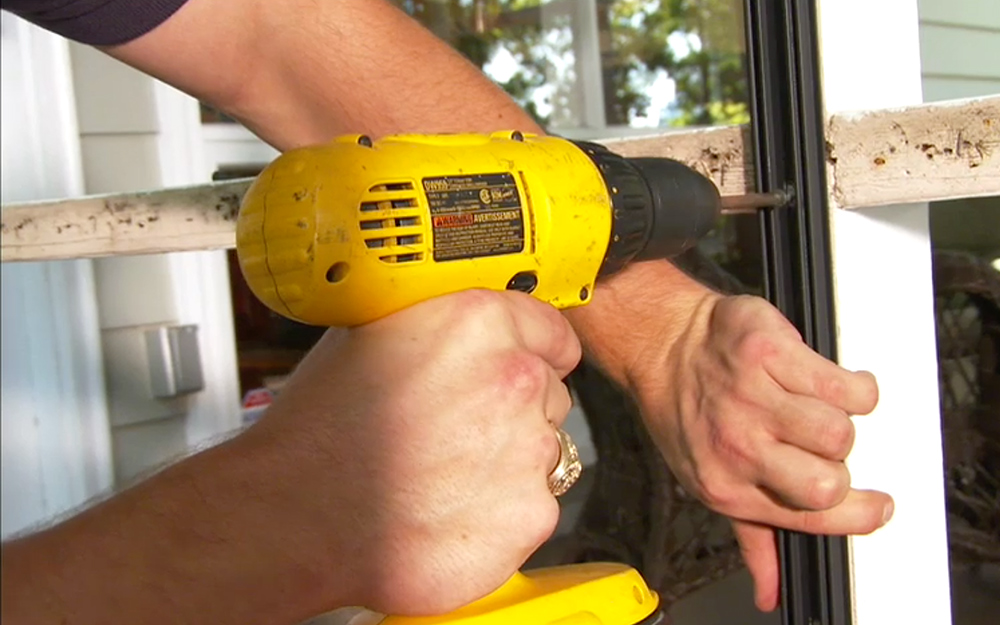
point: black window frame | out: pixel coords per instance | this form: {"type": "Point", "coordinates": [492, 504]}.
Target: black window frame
{"type": "Point", "coordinates": [789, 149]}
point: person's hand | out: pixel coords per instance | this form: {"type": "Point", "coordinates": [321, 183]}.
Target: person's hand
{"type": "Point", "coordinates": [415, 451]}
{"type": "Point", "coordinates": [757, 425]}
{"type": "Point", "coordinates": [749, 418]}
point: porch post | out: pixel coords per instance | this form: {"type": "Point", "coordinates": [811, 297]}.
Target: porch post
{"type": "Point", "coordinates": [870, 55]}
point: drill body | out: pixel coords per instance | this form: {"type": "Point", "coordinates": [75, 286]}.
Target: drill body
{"type": "Point", "coordinates": [345, 233]}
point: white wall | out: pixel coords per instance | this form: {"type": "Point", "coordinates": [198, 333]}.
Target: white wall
{"type": "Point", "coordinates": [136, 134]}
{"type": "Point", "coordinates": [55, 445]}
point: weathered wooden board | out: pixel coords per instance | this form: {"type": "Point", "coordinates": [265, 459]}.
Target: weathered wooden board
{"type": "Point", "coordinates": [721, 153]}
{"type": "Point", "coordinates": [203, 217]}
{"type": "Point", "coordinates": [920, 154]}
{"type": "Point", "coordinates": [170, 220]}
{"type": "Point", "coordinates": [930, 152]}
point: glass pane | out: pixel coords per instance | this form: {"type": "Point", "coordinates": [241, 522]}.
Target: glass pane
{"type": "Point", "coordinates": [603, 67]}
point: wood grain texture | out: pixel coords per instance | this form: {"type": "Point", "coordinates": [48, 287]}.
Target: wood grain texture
{"type": "Point", "coordinates": [170, 220]}
{"type": "Point", "coordinates": [924, 153]}
{"type": "Point", "coordinates": [919, 154]}
{"type": "Point", "coordinates": [722, 154]}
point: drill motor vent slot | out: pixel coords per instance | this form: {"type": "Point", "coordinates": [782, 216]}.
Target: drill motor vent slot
{"type": "Point", "coordinates": [402, 258]}
{"type": "Point", "coordinates": [391, 209]}
{"type": "Point", "coordinates": [391, 186]}
{"type": "Point", "coordinates": [368, 207]}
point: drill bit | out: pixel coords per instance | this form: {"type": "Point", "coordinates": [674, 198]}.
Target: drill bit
{"type": "Point", "coordinates": [747, 203]}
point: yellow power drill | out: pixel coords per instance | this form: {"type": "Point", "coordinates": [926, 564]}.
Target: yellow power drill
{"type": "Point", "coordinates": [345, 233]}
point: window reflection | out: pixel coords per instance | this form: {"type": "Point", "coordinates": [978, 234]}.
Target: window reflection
{"type": "Point", "coordinates": [598, 68]}
{"type": "Point", "coordinates": [603, 66]}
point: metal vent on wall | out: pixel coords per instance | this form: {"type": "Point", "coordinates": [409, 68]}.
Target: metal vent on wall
{"type": "Point", "coordinates": [390, 223]}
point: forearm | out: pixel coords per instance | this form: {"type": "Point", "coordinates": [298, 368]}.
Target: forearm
{"type": "Point", "coordinates": [299, 72]}
{"type": "Point", "coordinates": [176, 548]}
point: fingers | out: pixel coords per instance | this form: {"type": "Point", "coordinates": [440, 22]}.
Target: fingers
{"type": "Point", "coordinates": [557, 406]}
{"type": "Point", "coordinates": [860, 512]}
{"type": "Point", "coordinates": [558, 402]}
{"type": "Point", "coordinates": [814, 425]}
{"type": "Point", "coordinates": [539, 417]}
{"type": "Point", "coordinates": [802, 371]}
{"type": "Point", "coordinates": [544, 331]}
{"type": "Point", "coordinates": [803, 480]}
{"type": "Point", "coordinates": [760, 554]}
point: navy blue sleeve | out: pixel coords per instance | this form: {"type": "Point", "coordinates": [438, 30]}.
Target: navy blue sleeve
{"type": "Point", "coordinates": [95, 22]}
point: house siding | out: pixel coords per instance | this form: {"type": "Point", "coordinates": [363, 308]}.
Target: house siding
{"type": "Point", "coordinates": [959, 48]}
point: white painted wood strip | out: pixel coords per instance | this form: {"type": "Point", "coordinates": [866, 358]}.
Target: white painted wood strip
{"type": "Point", "coordinates": [171, 220]}
{"type": "Point", "coordinates": [203, 217]}
{"type": "Point", "coordinates": [921, 153]}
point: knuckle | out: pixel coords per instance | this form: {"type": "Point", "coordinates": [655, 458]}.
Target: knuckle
{"type": "Point", "coordinates": [745, 386]}
{"type": "Point", "coordinates": [827, 490]}
{"type": "Point", "coordinates": [755, 347]}
{"type": "Point", "coordinates": [838, 437]}
{"type": "Point", "coordinates": [755, 311]}
{"type": "Point", "coordinates": [544, 451]}
{"type": "Point", "coordinates": [522, 375]}
{"type": "Point", "coordinates": [715, 491]}
{"type": "Point", "coordinates": [479, 304]}
{"type": "Point", "coordinates": [832, 388]}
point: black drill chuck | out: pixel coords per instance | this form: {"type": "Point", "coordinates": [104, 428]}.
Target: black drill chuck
{"type": "Point", "coordinates": [661, 207]}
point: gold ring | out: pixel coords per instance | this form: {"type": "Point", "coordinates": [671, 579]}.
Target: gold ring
{"type": "Point", "coordinates": [569, 468]}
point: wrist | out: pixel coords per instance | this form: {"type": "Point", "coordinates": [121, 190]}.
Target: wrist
{"type": "Point", "coordinates": [290, 547]}
{"type": "Point", "coordinates": [642, 311]}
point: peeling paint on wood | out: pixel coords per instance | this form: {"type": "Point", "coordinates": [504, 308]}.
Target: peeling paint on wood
{"type": "Point", "coordinates": [170, 220]}
{"type": "Point", "coordinates": [719, 153]}
{"type": "Point", "coordinates": [923, 153]}
{"type": "Point", "coordinates": [919, 154]}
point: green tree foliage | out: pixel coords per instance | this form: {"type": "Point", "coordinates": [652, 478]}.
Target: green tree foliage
{"type": "Point", "coordinates": [698, 44]}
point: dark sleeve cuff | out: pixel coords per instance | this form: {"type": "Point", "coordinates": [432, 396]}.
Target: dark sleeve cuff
{"type": "Point", "coordinates": [96, 22]}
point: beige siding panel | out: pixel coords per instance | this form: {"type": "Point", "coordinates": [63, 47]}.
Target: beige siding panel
{"type": "Point", "coordinates": [120, 163]}
{"type": "Point", "coordinates": [983, 13]}
{"type": "Point", "coordinates": [111, 97]}
{"type": "Point", "coordinates": [147, 446]}
{"type": "Point", "coordinates": [938, 89]}
{"type": "Point", "coordinates": [958, 51]}
{"type": "Point", "coordinates": [130, 390]}
{"type": "Point", "coordinates": [141, 280]}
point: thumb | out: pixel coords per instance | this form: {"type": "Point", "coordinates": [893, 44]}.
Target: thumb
{"type": "Point", "coordinates": [760, 553]}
